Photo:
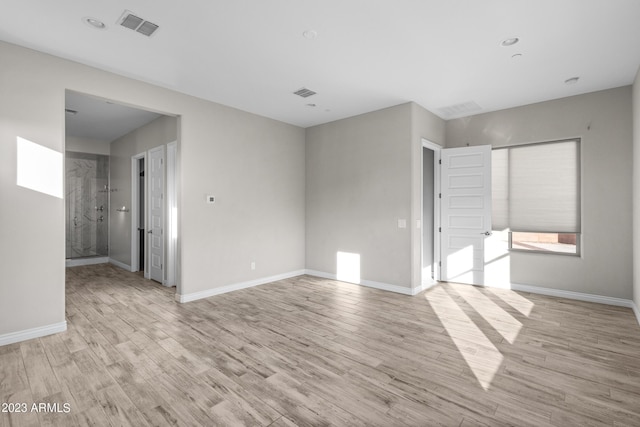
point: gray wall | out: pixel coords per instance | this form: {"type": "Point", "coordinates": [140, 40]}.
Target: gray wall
{"type": "Point", "coordinates": [636, 191]}
{"type": "Point", "coordinates": [254, 165]}
{"type": "Point", "coordinates": [86, 145]}
{"type": "Point", "coordinates": [358, 184]}
{"type": "Point", "coordinates": [603, 121]}
{"type": "Point", "coordinates": [161, 131]}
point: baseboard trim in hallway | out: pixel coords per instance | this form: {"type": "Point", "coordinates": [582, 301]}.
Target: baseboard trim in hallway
{"type": "Point", "coordinates": [41, 331]}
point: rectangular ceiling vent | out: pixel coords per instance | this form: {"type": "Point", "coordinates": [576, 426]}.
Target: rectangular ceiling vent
{"type": "Point", "coordinates": [459, 110]}
{"type": "Point", "coordinates": [304, 92]}
{"type": "Point", "coordinates": [135, 23]}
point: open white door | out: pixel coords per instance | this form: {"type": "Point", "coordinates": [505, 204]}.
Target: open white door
{"type": "Point", "coordinates": [155, 173]}
{"type": "Point", "coordinates": [465, 212]}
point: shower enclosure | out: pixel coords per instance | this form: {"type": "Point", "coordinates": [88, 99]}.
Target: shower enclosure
{"type": "Point", "coordinates": [87, 205]}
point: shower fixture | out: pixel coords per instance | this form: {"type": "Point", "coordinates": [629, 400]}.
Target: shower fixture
{"type": "Point", "coordinates": [107, 189]}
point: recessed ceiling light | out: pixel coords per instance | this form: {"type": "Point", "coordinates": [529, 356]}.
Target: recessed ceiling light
{"type": "Point", "coordinates": [70, 112]}
{"type": "Point", "coordinates": [310, 34]}
{"type": "Point", "coordinates": [509, 42]}
{"type": "Point", "coordinates": [572, 81]}
{"type": "Point", "coordinates": [94, 23]}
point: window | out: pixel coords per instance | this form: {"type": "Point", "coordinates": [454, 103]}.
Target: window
{"type": "Point", "coordinates": [536, 195]}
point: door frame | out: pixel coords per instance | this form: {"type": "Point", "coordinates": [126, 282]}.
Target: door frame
{"type": "Point", "coordinates": [436, 210]}
{"type": "Point", "coordinates": [135, 214]}
{"type": "Point", "coordinates": [170, 242]}
{"type": "Point", "coordinates": [171, 214]}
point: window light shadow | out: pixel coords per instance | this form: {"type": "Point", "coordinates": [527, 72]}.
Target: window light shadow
{"type": "Point", "coordinates": [39, 168]}
{"type": "Point", "coordinates": [480, 354]}
{"type": "Point", "coordinates": [348, 267]}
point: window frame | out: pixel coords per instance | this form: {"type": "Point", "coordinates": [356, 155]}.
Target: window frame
{"type": "Point", "coordinates": [579, 233]}
{"type": "Point", "coordinates": [577, 253]}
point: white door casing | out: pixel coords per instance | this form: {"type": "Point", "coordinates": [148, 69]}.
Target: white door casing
{"type": "Point", "coordinates": [155, 245]}
{"type": "Point", "coordinates": [465, 212]}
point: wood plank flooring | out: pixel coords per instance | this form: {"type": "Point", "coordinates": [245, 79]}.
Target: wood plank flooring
{"type": "Point", "coordinates": [315, 352]}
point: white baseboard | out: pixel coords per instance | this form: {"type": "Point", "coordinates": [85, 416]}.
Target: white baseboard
{"type": "Point", "coordinates": [236, 286]}
{"type": "Point", "coordinates": [28, 334]}
{"type": "Point", "coordinates": [580, 296]}
{"type": "Point", "coordinates": [120, 264]}
{"type": "Point", "coordinates": [76, 262]}
{"type": "Point", "coordinates": [370, 283]}
{"type": "Point", "coordinates": [636, 311]}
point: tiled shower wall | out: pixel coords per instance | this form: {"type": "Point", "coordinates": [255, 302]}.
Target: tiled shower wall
{"type": "Point", "coordinates": [87, 204]}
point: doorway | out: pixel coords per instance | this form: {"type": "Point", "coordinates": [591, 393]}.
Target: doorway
{"type": "Point", "coordinates": [456, 213]}
{"type": "Point", "coordinates": [126, 135]}
{"type": "Point", "coordinates": [430, 213]}
{"type": "Point", "coordinates": [154, 201]}
{"type": "Point", "coordinates": [138, 205]}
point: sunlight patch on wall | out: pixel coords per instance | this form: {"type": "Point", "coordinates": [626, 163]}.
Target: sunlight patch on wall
{"type": "Point", "coordinates": [348, 267]}
{"type": "Point", "coordinates": [460, 264]}
{"type": "Point", "coordinates": [39, 168]}
{"type": "Point", "coordinates": [497, 264]}
{"type": "Point", "coordinates": [482, 357]}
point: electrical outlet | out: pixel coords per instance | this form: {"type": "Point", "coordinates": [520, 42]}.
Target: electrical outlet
{"type": "Point", "coordinates": [253, 265]}
{"type": "Point", "coordinates": [210, 198]}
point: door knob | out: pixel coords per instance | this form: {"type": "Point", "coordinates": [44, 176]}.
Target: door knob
{"type": "Point", "coordinates": [487, 233]}
{"type": "Point", "coordinates": [150, 232]}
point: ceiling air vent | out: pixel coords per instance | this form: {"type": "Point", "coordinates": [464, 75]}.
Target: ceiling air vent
{"type": "Point", "coordinates": [458, 110]}
{"type": "Point", "coordinates": [304, 92]}
{"type": "Point", "coordinates": [135, 23]}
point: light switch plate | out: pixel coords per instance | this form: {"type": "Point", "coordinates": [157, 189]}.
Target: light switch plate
{"type": "Point", "coordinates": [402, 223]}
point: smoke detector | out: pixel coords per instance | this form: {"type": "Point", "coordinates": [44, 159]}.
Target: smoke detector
{"type": "Point", "coordinates": [133, 22]}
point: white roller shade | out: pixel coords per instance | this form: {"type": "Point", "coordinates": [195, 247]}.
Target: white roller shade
{"type": "Point", "coordinates": [542, 186]}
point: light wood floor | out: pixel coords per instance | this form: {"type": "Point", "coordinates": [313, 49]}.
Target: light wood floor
{"type": "Point", "coordinates": [315, 352]}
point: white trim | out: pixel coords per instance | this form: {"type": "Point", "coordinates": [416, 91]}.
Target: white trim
{"type": "Point", "coordinates": [370, 283]}
{"type": "Point", "coordinates": [636, 311]}
{"type": "Point", "coordinates": [120, 264]}
{"type": "Point", "coordinates": [560, 293]}
{"type": "Point", "coordinates": [75, 262]}
{"type": "Point", "coordinates": [171, 220]}
{"type": "Point", "coordinates": [28, 334]}
{"type": "Point", "coordinates": [236, 286]}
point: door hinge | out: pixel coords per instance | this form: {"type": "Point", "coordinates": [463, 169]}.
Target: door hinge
{"type": "Point", "coordinates": [439, 161]}
{"type": "Point", "coordinates": [439, 195]}
{"type": "Point", "coordinates": [439, 263]}
{"type": "Point", "coordinates": [440, 229]}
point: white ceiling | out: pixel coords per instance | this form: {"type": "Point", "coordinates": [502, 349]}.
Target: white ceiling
{"type": "Point", "coordinates": [100, 119]}
{"type": "Point", "coordinates": [368, 54]}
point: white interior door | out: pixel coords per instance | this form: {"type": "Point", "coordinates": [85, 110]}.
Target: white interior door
{"type": "Point", "coordinates": [155, 173]}
{"type": "Point", "coordinates": [465, 212]}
